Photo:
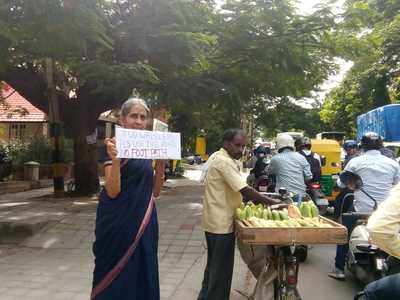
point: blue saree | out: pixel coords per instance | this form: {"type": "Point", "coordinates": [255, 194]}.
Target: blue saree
{"type": "Point", "coordinates": [117, 223]}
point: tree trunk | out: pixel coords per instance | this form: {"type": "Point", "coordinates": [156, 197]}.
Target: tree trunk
{"type": "Point", "coordinates": [85, 165]}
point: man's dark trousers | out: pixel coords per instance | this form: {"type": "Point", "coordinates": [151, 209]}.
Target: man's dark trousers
{"type": "Point", "coordinates": [218, 273]}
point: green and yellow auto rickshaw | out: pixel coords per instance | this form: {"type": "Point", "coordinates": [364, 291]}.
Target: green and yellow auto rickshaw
{"type": "Point", "coordinates": [330, 151]}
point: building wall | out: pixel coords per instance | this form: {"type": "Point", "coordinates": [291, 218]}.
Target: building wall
{"type": "Point", "coordinates": [3, 131]}
{"type": "Point", "coordinates": [23, 131]}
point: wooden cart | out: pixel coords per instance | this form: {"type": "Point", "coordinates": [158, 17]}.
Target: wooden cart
{"type": "Point", "coordinates": [285, 240]}
{"type": "Point", "coordinates": [292, 236]}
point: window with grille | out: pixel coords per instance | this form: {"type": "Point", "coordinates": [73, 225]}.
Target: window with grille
{"type": "Point", "coordinates": [18, 131]}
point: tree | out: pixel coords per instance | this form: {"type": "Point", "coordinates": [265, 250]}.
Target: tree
{"type": "Point", "coordinates": [208, 68]}
{"type": "Point", "coordinates": [88, 79]}
{"type": "Point", "coordinates": [265, 52]}
{"type": "Point", "coordinates": [288, 116]}
{"type": "Point", "coordinates": [369, 36]}
{"type": "Point", "coordinates": [102, 50]}
{"type": "Point", "coordinates": [260, 53]}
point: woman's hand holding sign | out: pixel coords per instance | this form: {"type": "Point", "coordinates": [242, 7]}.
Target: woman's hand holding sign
{"type": "Point", "coordinates": [111, 148]}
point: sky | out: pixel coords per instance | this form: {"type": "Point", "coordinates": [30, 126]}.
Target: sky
{"type": "Point", "coordinates": [306, 6]}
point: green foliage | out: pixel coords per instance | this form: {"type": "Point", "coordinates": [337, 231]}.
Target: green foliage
{"type": "Point", "coordinates": [71, 26]}
{"type": "Point", "coordinates": [263, 52]}
{"type": "Point", "coordinates": [38, 149]}
{"type": "Point", "coordinates": [209, 68]}
{"type": "Point", "coordinates": [288, 116]}
{"type": "Point", "coordinates": [15, 151]}
{"type": "Point", "coordinates": [179, 169]}
{"type": "Point", "coordinates": [371, 30]}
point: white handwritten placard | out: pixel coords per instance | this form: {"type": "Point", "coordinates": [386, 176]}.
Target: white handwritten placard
{"type": "Point", "coordinates": [143, 144]}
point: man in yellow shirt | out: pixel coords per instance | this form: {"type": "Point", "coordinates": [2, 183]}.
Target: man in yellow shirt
{"type": "Point", "coordinates": [384, 224]}
{"type": "Point", "coordinates": [224, 191]}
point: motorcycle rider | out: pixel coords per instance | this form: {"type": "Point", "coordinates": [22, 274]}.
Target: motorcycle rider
{"type": "Point", "coordinates": [379, 174]}
{"type": "Point", "coordinates": [291, 169]}
{"type": "Point", "coordinates": [258, 165]}
{"type": "Point", "coordinates": [383, 227]}
{"type": "Point", "coordinates": [262, 154]}
{"type": "Point", "coordinates": [351, 149]}
{"type": "Point", "coordinates": [303, 146]}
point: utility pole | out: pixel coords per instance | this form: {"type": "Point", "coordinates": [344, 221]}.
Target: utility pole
{"type": "Point", "coordinates": [55, 130]}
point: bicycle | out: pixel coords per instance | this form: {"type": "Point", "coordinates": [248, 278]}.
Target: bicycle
{"type": "Point", "coordinates": [287, 266]}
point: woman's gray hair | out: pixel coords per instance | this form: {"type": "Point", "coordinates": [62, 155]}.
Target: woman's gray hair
{"type": "Point", "coordinates": [128, 104]}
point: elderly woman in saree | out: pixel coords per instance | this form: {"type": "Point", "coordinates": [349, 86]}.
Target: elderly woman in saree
{"type": "Point", "coordinates": [125, 249]}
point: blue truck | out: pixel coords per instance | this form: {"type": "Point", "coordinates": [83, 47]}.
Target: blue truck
{"type": "Point", "coordinates": [385, 121]}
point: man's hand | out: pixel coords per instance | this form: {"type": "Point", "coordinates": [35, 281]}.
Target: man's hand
{"type": "Point", "coordinates": [279, 206]}
{"type": "Point", "coordinates": [249, 193]}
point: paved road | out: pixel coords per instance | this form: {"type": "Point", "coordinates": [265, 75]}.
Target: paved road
{"type": "Point", "coordinates": [57, 262]}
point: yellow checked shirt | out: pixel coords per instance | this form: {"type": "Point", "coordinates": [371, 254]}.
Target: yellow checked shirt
{"type": "Point", "coordinates": [384, 224]}
{"type": "Point", "coordinates": [222, 197]}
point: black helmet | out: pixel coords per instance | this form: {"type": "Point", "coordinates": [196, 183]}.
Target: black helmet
{"type": "Point", "coordinates": [260, 150]}
{"type": "Point", "coordinates": [303, 143]}
{"type": "Point", "coordinates": [371, 141]}
{"type": "Point", "coordinates": [349, 144]}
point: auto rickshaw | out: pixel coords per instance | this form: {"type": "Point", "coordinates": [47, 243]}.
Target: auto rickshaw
{"type": "Point", "coordinates": [331, 135]}
{"type": "Point", "coordinates": [330, 151]}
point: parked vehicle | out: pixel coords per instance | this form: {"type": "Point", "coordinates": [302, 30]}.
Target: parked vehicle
{"type": "Point", "coordinates": [194, 159]}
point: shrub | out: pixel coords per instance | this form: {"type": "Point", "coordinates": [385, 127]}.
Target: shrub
{"type": "Point", "coordinates": [37, 149]}
{"type": "Point", "coordinates": [15, 151]}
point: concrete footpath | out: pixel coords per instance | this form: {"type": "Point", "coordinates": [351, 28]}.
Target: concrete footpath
{"type": "Point", "coordinates": [45, 249]}
{"type": "Point", "coordinates": [57, 261]}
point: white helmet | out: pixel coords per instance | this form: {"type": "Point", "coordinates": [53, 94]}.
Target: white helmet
{"type": "Point", "coordinates": [283, 141]}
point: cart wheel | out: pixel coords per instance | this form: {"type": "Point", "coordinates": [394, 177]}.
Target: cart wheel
{"type": "Point", "coordinates": [301, 253]}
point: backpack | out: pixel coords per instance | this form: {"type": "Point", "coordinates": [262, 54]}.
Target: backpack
{"type": "Point", "coordinates": [261, 165]}
{"type": "Point", "coordinates": [315, 165]}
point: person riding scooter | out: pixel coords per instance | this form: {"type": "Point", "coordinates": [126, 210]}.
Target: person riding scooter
{"type": "Point", "coordinates": [379, 174]}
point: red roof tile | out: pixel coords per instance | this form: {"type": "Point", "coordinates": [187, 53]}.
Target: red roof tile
{"type": "Point", "coordinates": [17, 109]}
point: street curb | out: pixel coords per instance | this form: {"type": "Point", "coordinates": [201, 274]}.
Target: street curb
{"type": "Point", "coordinates": [11, 187]}
{"type": "Point", "coordinates": [11, 232]}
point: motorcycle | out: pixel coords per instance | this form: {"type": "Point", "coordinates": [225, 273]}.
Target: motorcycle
{"type": "Point", "coordinates": [318, 197]}
{"type": "Point", "coordinates": [259, 180]}
{"type": "Point", "coordinates": [264, 183]}
{"type": "Point", "coordinates": [364, 260]}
